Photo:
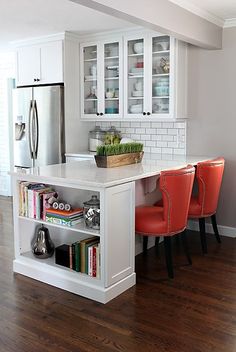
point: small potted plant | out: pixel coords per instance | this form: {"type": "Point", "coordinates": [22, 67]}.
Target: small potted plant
{"type": "Point", "coordinates": [114, 155]}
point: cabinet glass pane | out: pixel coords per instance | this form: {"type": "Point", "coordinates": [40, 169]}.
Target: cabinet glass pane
{"type": "Point", "coordinates": [160, 74]}
{"type": "Point", "coordinates": [135, 76]}
{"type": "Point", "coordinates": [90, 80]}
{"type": "Point", "coordinates": [111, 78]}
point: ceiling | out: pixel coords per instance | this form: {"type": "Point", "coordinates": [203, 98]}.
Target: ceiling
{"type": "Point", "coordinates": [220, 12]}
{"type": "Point", "coordinates": [21, 19]}
{"type": "Point", "coordinates": [27, 19]}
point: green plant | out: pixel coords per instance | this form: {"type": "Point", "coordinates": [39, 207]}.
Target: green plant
{"type": "Point", "coordinates": [116, 149]}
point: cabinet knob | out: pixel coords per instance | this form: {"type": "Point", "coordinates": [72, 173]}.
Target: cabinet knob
{"type": "Point", "coordinates": [148, 113]}
{"type": "Point", "coordinates": [101, 114]}
{"type": "Point", "coordinates": [97, 114]}
{"type": "Point", "coordinates": [35, 79]}
{"type": "Point", "coordinates": [144, 113]}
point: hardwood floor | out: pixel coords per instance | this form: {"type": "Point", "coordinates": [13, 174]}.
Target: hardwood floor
{"type": "Point", "coordinates": [194, 312]}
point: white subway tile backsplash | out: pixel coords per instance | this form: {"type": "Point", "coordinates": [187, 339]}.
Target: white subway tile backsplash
{"type": "Point", "coordinates": [125, 124]}
{"type": "Point", "coordinates": [145, 124]}
{"type": "Point", "coordinates": [157, 137]}
{"type": "Point", "coordinates": [145, 137]}
{"type": "Point", "coordinates": [156, 150]}
{"type": "Point", "coordinates": [179, 151]}
{"type": "Point", "coordinates": [162, 131]}
{"type": "Point", "coordinates": [147, 149]}
{"type": "Point", "coordinates": [135, 136]}
{"type": "Point", "coordinates": [167, 138]}
{"type": "Point", "coordinates": [172, 131]}
{"type": "Point", "coordinates": [173, 144]}
{"type": "Point", "coordinates": [156, 125]}
{"type": "Point", "coordinates": [179, 124]}
{"type": "Point", "coordinates": [150, 143]}
{"type": "Point", "coordinates": [167, 125]}
{"type": "Point", "coordinates": [167, 150]}
{"type": "Point", "coordinates": [162, 144]}
{"type": "Point", "coordinates": [151, 131]}
{"type": "Point", "coordinates": [140, 130]}
{"type": "Point", "coordinates": [135, 124]}
{"type": "Point", "coordinates": [130, 130]}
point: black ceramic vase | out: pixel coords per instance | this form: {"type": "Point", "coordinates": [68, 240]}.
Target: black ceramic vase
{"type": "Point", "coordinates": [42, 245]}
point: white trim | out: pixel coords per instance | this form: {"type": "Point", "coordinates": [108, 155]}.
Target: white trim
{"type": "Point", "coordinates": [38, 40]}
{"type": "Point", "coordinates": [230, 22]}
{"type": "Point", "coordinates": [199, 12]}
{"type": "Point", "coordinates": [223, 230]}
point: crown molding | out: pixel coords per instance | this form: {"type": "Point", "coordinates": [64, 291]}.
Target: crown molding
{"type": "Point", "coordinates": [199, 12]}
{"type": "Point", "coordinates": [231, 22]}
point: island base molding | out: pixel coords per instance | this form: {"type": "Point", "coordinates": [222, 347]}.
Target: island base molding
{"type": "Point", "coordinates": [60, 280]}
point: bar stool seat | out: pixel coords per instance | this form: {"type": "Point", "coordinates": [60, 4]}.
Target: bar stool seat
{"type": "Point", "coordinates": [150, 220]}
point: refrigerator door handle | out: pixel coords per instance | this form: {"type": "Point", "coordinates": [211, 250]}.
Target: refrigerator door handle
{"type": "Point", "coordinates": [30, 129]}
{"type": "Point", "coordinates": [36, 126]}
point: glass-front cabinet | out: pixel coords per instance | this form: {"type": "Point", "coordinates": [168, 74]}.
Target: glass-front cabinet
{"type": "Point", "coordinates": [101, 73]}
{"type": "Point", "coordinates": [148, 74]}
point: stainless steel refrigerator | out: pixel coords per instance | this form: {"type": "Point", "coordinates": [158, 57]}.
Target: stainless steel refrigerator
{"type": "Point", "coordinates": [38, 117]}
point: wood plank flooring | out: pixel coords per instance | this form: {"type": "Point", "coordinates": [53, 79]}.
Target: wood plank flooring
{"type": "Point", "coordinates": [195, 312]}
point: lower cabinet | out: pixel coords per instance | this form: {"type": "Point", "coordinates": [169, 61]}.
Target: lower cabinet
{"type": "Point", "coordinates": [98, 263]}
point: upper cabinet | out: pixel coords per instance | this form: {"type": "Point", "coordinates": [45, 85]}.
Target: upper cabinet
{"type": "Point", "coordinates": [101, 79]}
{"type": "Point", "coordinates": [149, 76]}
{"type": "Point", "coordinates": [141, 75]}
{"type": "Point", "coordinates": [40, 63]}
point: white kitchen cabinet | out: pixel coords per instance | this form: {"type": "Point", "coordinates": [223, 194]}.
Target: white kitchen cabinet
{"type": "Point", "coordinates": [152, 78]}
{"type": "Point", "coordinates": [149, 76]}
{"type": "Point", "coordinates": [101, 79]}
{"type": "Point", "coordinates": [40, 63]}
{"type": "Point", "coordinates": [116, 237]}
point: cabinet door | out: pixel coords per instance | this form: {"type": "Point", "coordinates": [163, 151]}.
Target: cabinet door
{"type": "Point", "coordinates": [162, 76]}
{"type": "Point", "coordinates": [28, 65]}
{"type": "Point", "coordinates": [101, 71]}
{"type": "Point", "coordinates": [51, 55]}
{"type": "Point", "coordinates": [135, 73]}
{"type": "Point", "coordinates": [112, 79]}
{"type": "Point", "coordinates": [89, 81]}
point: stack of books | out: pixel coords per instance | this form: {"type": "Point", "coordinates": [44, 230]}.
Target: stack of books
{"type": "Point", "coordinates": [33, 199]}
{"type": "Point", "coordinates": [82, 256]}
{"type": "Point", "coordinates": [63, 217]}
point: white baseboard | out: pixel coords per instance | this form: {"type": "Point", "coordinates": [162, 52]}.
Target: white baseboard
{"type": "Point", "coordinates": [223, 230]}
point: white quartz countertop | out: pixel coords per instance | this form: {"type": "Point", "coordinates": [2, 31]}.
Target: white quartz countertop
{"type": "Point", "coordinates": [86, 173]}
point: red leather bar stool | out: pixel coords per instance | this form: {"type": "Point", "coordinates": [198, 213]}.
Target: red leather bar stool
{"type": "Point", "coordinates": [204, 204]}
{"type": "Point", "coordinates": [171, 218]}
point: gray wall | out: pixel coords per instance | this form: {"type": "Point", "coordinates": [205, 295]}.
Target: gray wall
{"type": "Point", "coordinates": [212, 111]}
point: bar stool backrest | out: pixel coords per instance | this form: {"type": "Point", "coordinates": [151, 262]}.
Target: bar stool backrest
{"type": "Point", "coordinates": [176, 187]}
{"type": "Point", "coordinates": [209, 177]}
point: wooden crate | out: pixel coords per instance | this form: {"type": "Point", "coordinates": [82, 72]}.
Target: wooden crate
{"type": "Point", "coordinates": [118, 160]}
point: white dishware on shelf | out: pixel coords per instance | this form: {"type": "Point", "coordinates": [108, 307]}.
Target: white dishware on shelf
{"type": "Point", "coordinates": [136, 70]}
{"type": "Point", "coordinates": [136, 109]}
{"type": "Point", "coordinates": [138, 48]}
{"type": "Point", "coordinates": [165, 45]}
{"type": "Point", "coordinates": [137, 93]}
{"type": "Point", "coordinates": [138, 85]}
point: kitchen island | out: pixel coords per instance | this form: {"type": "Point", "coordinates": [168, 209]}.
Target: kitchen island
{"type": "Point", "coordinates": [76, 182]}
